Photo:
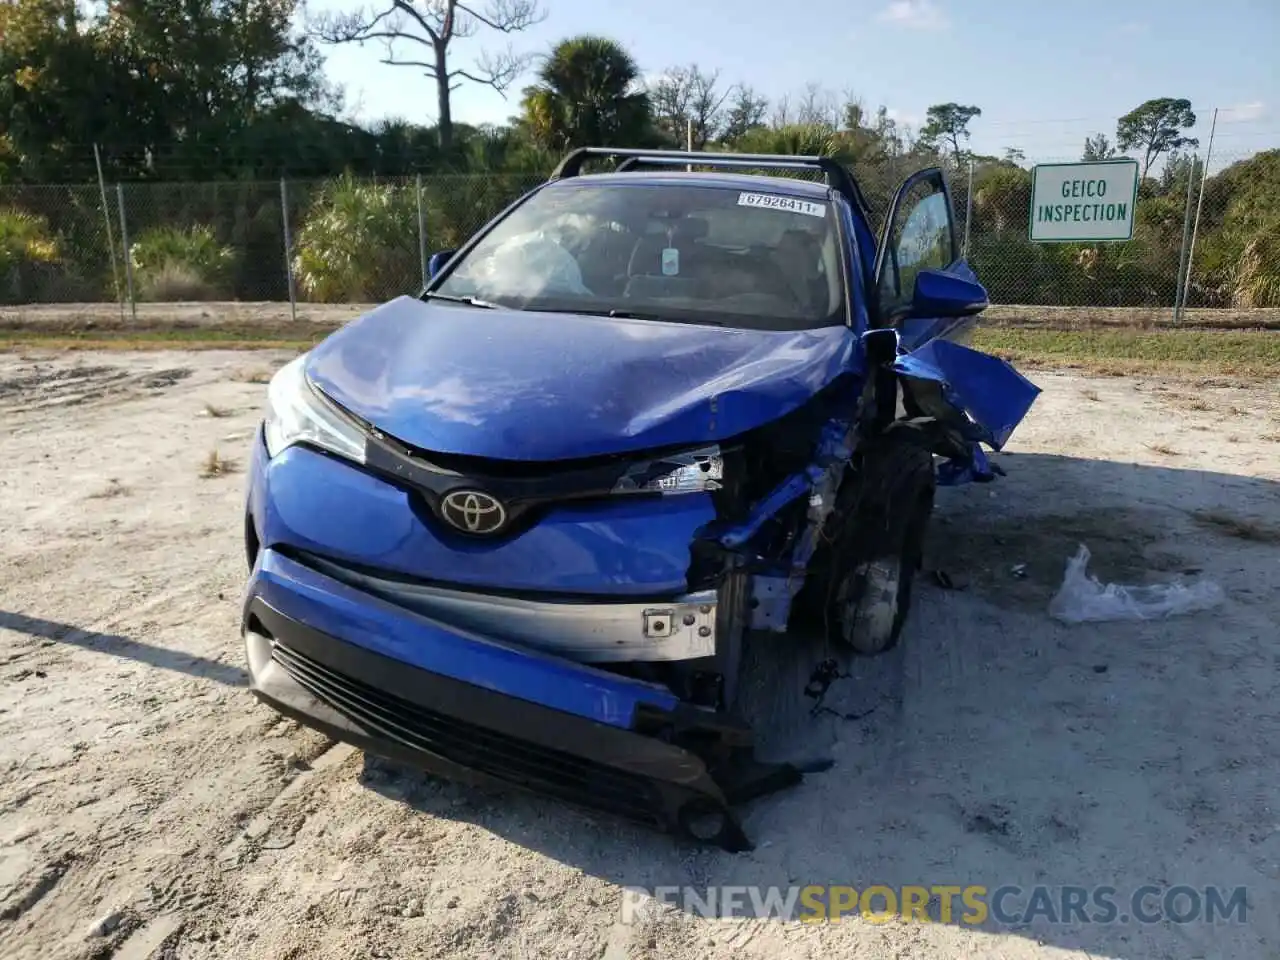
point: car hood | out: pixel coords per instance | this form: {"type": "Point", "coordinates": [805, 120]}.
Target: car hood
{"type": "Point", "coordinates": [520, 385]}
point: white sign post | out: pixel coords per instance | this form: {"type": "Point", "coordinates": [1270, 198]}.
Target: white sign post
{"type": "Point", "coordinates": [1090, 202]}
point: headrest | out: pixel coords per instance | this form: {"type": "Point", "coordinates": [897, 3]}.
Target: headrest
{"type": "Point", "coordinates": [802, 239]}
{"type": "Point", "coordinates": [692, 228]}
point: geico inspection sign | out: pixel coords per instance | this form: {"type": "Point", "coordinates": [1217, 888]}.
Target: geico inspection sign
{"type": "Point", "coordinates": [1083, 201]}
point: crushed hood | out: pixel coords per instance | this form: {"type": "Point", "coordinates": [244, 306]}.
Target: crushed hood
{"type": "Point", "coordinates": [519, 385]}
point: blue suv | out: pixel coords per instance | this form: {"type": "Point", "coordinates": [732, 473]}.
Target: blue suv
{"type": "Point", "coordinates": [519, 527]}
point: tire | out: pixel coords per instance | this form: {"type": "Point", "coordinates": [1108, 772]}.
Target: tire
{"type": "Point", "coordinates": [879, 544]}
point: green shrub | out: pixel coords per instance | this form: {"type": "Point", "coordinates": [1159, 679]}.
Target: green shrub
{"type": "Point", "coordinates": [1015, 270]}
{"type": "Point", "coordinates": [359, 243]}
{"type": "Point", "coordinates": [29, 255]}
{"type": "Point", "coordinates": [175, 264]}
{"type": "Point", "coordinates": [176, 282]}
{"type": "Point", "coordinates": [806, 139]}
{"type": "Point", "coordinates": [1001, 199]}
{"type": "Point", "coordinates": [1255, 281]}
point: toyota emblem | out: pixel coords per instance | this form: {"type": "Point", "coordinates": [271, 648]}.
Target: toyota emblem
{"type": "Point", "coordinates": [473, 512]}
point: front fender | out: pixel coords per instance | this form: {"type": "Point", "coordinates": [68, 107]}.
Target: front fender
{"type": "Point", "coordinates": [982, 395]}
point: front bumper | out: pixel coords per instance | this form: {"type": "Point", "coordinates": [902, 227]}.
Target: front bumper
{"type": "Point", "coordinates": [678, 628]}
{"type": "Point", "coordinates": [399, 685]}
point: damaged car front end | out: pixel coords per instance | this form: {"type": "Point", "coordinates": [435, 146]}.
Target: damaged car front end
{"type": "Point", "coordinates": [518, 529]}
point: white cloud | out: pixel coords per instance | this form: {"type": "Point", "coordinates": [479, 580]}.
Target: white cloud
{"type": "Point", "coordinates": [650, 78]}
{"type": "Point", "coordinates": [904, 119]}
{"type": "Point", "coordinates": [1245, 112]}
{"type": "Point", "coordinates": [914, 14]}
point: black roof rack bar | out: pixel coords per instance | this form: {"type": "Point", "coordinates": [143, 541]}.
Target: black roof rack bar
{"type": "Point", "coordinates": [838, 177]}
{"type": "Point", "coordinates": [632, 163]}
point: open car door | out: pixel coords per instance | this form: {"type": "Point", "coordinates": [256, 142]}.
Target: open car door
{"type": "Point", "coordinates": [930, 296]}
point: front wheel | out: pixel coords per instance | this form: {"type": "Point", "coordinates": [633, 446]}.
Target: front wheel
{"type": "Point", "coordinates": [880, 545]}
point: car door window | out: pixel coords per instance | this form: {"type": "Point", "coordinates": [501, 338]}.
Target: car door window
{"type": "Point", "coordinates": [921, 237]}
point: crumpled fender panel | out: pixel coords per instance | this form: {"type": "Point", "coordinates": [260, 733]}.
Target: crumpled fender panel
{"type": "Point", "coordinates": [983, 389]}
{"type": "Point", "coordinates": [975, 397]}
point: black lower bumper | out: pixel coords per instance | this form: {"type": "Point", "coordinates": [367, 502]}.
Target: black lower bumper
{"type": "Point", "coordinates": [468, 733]}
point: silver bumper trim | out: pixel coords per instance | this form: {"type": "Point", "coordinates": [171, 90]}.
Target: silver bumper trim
{"type": "Point", "coordinates": [683, 628]}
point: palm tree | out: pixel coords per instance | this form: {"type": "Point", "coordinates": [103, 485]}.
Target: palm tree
{"type": "Point", "coordinates": [588, 93]}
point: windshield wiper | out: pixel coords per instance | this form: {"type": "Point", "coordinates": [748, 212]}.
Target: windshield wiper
{"type": "Point", "coordinates": [629, 315]}
{"type": "Point", "coordinates": [632, 315]}
{"type": "Point", "coordinates": [469, 301]}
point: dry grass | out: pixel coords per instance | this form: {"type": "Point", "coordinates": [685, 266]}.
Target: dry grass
{"type": "Point", "coordinates": [1195, 403]}
{"type": "Point", "coordinates": [259, 375]}
{"type": "Point", "coordinates": [1240, 528]}
{"type": "Point", "coordinates": [176, 282]}
{"type": "Point", "coordinates": [1164, 448]}
{"type": "Point", "coordinates": [1190, 354]}
{"type": "Point", "coordinates": [1180, 353]}
{"type": "Point", "coordinates": [1137, 318]}
{"type": "Point", "coordinates": [114, 488]}
{"type": "Point", "coordinates": [1091, 394]}
{"type": "Point", "coordinates": [22, 341]}
{"type": "Point", "coordinates": [216, 465]}
{"type": "Point", "coordinates": [216, 412]}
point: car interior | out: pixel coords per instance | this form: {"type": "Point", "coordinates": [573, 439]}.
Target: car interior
{"type": "Point", "coordinates": [682, 259]}
{"type": "Point", "coordinates": [708, 256]}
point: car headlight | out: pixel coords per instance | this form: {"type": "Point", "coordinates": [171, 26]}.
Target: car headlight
{"type": "Point", "coordinates": [694, 471]}
{"type": "Point", "coordinates": [296, 414]}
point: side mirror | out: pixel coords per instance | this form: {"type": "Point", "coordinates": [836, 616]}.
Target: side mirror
{"type": "Point", "coordinates": [939, 293]}
{"type": "Point", "coordinates": [438, 260]}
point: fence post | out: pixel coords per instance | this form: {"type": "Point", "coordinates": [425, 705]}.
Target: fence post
{"type": "Point", "coordinates": [111, 240]}
{"type": "Point", "coordinates": [1186, 236]}
{"type": "Point", "coordinates": [1195, 226]}
{"type": "Point", "coordinates": [422, 231]}
{"type": "Point", "coordinates": [968, 211]}
{"type": "Point", "coordinates": [124, 244]}
{"type": "Point", "coordinates": [288, 249]}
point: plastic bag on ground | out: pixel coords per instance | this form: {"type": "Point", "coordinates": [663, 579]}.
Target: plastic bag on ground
{"type": "Point", "coordinates": [1081, 598]}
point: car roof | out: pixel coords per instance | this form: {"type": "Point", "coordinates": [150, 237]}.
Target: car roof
{"type": "Point", "coordinates": [727, 181]}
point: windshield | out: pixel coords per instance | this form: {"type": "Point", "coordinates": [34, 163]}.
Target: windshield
{"type": "Point", "coordinates": [700, 254]}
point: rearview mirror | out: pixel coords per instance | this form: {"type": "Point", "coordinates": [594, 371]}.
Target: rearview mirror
{"type": "Point", "coordinates": [939, 293]}
{"type": "Point", "coordinates": [437, 261]}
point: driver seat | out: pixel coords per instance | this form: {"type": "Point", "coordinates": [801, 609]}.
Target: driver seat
{"type": "Point", "coordinates": [800, 257]}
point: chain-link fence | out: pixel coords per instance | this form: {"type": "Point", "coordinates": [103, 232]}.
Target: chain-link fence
{"type": "Point", "coordinates": [349, 240]}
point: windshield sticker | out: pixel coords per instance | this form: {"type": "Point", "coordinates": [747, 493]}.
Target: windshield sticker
{"type": "Point", "coordinates": [670, 262]}
{"type": "Point", "coordinates": [771, 201]}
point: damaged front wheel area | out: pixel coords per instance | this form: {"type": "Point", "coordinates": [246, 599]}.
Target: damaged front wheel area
{"type": "Point", "coordinates": [878, 546]}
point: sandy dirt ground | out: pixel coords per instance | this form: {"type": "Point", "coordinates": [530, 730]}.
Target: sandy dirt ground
{"type": "Point", "coordinates": [149, 808]}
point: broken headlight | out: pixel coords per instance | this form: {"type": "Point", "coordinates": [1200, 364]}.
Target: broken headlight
{"type": "Point", "coordinates": [694, 471]}
{"type": "Point", "coordinates": [296, 414]}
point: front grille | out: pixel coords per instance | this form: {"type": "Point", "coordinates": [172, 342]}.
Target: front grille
{"type": "Point", "coordinates": [510, 759]}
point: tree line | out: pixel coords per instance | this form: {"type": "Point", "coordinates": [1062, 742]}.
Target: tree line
{"type": "Point", "coordinates": [214, 89]}
{"type": "Point", "coordinates": [235, 91]}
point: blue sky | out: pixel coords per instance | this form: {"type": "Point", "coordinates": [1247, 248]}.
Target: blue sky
{"type": "Point", "coordinates": [1046, 74]}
